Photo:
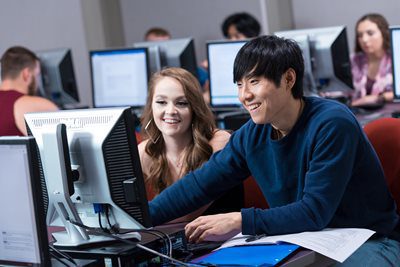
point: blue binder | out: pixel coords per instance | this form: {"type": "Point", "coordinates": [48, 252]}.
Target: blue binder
{"type": "Point", "coordinates": [254, 255]}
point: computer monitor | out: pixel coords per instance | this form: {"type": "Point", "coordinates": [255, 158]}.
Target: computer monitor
{"type": "Point", "coordinates": [327, 56]}
{"type": "Point", "coordinates": [58, 76]}
{"type": "Point", "coordinates": [24, 240]}
{"type": "Point", "coordinates": [92, 170]}
{"type": "Point", "coordinates": [395, 49]}
{"type": "Point", "coordinates": [221, 56]}
{"type": "Point", "coordinates": [119, 77]}
{"type": "Point", "coordinates": [172, 53]}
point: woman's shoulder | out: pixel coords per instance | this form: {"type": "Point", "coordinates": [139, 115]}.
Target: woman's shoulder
{"type": "Point", "coordinates": [142, 146]}
{"type": "Point", "coordinates": [144, 157]}
{"type": "Point", "coordinates": [219, 139]}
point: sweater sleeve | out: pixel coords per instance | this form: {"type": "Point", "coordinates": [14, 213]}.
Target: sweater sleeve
{"type": "Point", "coordinates": [223, 171]}
{"type": "Point", "coordinates": [327, 175]}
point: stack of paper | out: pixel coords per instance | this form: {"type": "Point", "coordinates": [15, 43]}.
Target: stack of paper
{"type": "Point", "coordinates": [337, 244]}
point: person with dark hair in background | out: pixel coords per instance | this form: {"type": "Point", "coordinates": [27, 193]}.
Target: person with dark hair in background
{"type": "Point", "coordinates": [20, 74]}
{"type": "Point", "coordinates": [371, 64]}
{"type": "Point", "coordinates": [157, 34]}
{"type": "Point", "coordinates": [240, 26]}
{"type": "Point", "coordinates": [180, 136]}
{"type": "Point", "coordinates": [309, 156]}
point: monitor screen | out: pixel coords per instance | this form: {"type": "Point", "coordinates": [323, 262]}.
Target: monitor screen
{"type": "Point", "coordinates": [119, 77]}
{"type": "Point", "coordinates": [58, 76]}
{"type": "Point", "coordinates": [23, 230]}
{"type": "Point", "coordinates": [395, 48]}
{"type": "Point", "coordinates": [92, 171]}
{"type": "Point", "coordinates": [172, 53]}
{"type": "Point", "coordinates": [327, 56]}
{"type": "Point", "coordinates": [221, 56]}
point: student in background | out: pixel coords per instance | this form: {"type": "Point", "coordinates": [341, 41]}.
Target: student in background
{"type": "Point", "coordinates": [157, 34]}
{"type": "Point", "coordinates": [20, 74]}
{"type": "Point", "coordinates": [240, 26]}
{"type": "Point", "coordinates": [181, 136]}
{"type": "Point", "coordinates": [309, 156]}
{"type": "Point", "coordinates": [371, 64]}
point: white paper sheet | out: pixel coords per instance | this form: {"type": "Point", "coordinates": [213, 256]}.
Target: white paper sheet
{"type": "Point", "coordinates": [337, 244]}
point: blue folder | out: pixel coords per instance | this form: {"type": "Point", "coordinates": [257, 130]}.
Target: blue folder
{"type": "Point", "coordinates": [254, 255]}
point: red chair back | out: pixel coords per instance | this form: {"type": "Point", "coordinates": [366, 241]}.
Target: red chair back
{"type": "Point", "coordinates": [253, 197]}
{"type": "Point", "coordinates": [384, 135]}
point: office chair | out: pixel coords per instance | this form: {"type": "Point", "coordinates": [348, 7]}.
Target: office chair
{"type": "Point", "coordinates": [253, 197]}
{"type": "Point", "coordinates": [234, 120]}
{"type": "Point", "coordinates": [384, 135]}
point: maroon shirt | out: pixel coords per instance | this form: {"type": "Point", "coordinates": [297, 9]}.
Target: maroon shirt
{"type": "Point", "coordinates": [7, 120]}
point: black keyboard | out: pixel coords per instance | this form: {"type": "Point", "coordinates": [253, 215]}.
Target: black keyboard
{"type": "Point", "coordinates": [203, 247]}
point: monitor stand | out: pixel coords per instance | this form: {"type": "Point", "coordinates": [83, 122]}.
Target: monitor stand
{"type": "Point", "coordinates": [63, 239]}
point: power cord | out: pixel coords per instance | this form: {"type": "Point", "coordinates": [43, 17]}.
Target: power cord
{"type": "Point", "coordinates": [55, 251]}
{"type": "Point", "coordinates": [166, 238]}
{"type": "Point", "coordinates": [114, 230]}
{"type": "Point", "coordinates": [55, 256]}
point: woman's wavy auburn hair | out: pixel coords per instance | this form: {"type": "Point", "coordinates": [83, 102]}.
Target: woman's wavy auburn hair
{"type": "Point", "coordinates": [203, 127]}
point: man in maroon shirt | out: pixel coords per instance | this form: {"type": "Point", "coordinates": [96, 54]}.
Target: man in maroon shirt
{"type": "Point", "coordinates": [20, 74]}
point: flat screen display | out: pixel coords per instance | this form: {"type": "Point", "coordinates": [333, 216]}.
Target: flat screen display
{"type": "Point", "coordinates": [119, 77]}
{"type": "Point", "coordinates": [221, 56]}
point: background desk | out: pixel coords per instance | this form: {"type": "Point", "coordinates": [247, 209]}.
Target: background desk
{"type": "Point", "coordinates": [120, 254]}
{"type": "Point", "coordinates": [385, 112]}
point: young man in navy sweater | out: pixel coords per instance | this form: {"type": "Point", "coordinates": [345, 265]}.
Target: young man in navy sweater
{"type": "Point", "coordinates": [309, 156]}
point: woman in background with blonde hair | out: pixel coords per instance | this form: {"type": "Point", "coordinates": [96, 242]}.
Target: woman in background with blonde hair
{"type": "Point", "coordinates": [180, 135]}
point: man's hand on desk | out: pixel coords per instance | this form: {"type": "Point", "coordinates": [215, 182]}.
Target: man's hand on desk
{"type": "Point", "coordinates": [217, 227]}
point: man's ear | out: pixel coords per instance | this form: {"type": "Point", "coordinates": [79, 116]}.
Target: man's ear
{"type": "Point", "coordinates": [26, 74]}
{"type": "Point", "coordinates": [290, 78]}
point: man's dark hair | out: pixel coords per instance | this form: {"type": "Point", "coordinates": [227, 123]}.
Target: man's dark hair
{"type": "Point", "coordinates": [270, 57]}
{"type": "Point", "coordinates": [15, 59]}
{"type": "Point", "coordinates": [244, 23]}
{"type": "Point", "coordinates": [157, 31]}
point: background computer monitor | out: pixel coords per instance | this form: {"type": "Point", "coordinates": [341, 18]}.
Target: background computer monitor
{"type": "Point", "coordinates": [221, 56]}
{"type": "Point", "coordinates": [119, 77]}
{"type": "Point", "coordinates": [395, 48]}
{"type": "Point", "coordinates": [329, 57]}
{"type": "Point", "coordinates": [23, 230]}
{"type": "Point", "coordinates": [58, 76]}
{"type": "Point", "coordinates": [101, 146]}
{"type": "Point", "coordinates": [172, 53]}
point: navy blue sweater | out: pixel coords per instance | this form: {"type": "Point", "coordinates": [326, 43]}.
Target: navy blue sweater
{"type": "Point", "coordinates": [324, 173]}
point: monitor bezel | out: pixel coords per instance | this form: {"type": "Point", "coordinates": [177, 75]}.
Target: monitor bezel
{"type": "Point", "coordinates": [37, 195]}
{"type": "Point", "coordinates": [65, 98]}
{"type": "Point", "coordinates": [218, 42]}
{"type": "Point", "coordinates": [321, 50]}
{"type": "Point", "coordinates": [396, 97]}
{"type": "Point", "coordinates": [164, 52]}
{"type": "Point", "coordinates": [121, 49]}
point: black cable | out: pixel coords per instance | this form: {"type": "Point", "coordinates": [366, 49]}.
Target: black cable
{"type": "Point", "coordinates": [55, 256]}
{"type": "Point", "coordinates": [163, 236]}
{"type": "Point", "coordinates": [157, 233]}
{"type": "Point", "coordinates": [64, 255]}
{"type": "Point", "coordinates": [95, 231]}
{"type": "Point", "coordinates": [108, 218]}
{"type": "Point", "coordinates": [162, 233]}
{"type": "Point", "coordinates": [100, 224]}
